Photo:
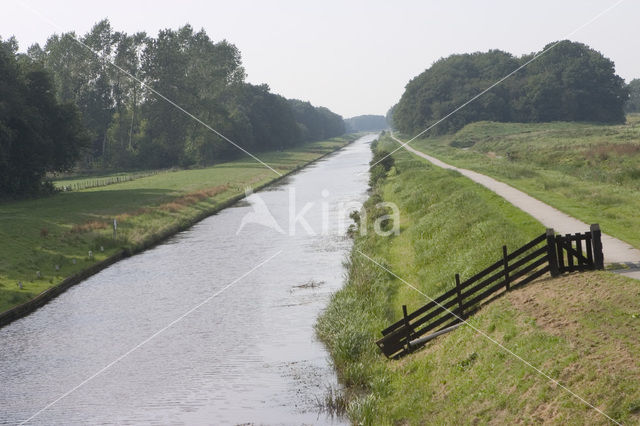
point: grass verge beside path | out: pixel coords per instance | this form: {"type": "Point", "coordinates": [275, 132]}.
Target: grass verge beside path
{"type": "Point", "coordinates": [581, 329]}
{"type": "Point", "coordinates": [53, 236]}
{"type": "Point", "coordinates": [589, 171]}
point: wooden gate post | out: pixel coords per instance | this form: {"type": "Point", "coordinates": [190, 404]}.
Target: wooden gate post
{"type": "Point", "coordinates": [596, 238]}
{"type": "Point", "coordinates": [560, 251]}
{"type": "Point", "coordinates": [552, 253]}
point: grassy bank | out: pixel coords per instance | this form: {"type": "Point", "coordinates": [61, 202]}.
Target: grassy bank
{"type": "Point", "coordinates": [581, 329]}
{"type": "Point", "coordinates": [591, 172]}
{"type": "Point", "coordinates": [48, 239]}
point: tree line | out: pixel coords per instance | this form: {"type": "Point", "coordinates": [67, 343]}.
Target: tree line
{"type": "Point", "coordinates": [568, 82]}
{"type": "Point", "coordinates": [124, 124]}
{"type": "Point", "coordinates": [366, 123]}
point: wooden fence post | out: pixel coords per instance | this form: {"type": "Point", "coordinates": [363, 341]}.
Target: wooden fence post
{"type": "Point", "coordinates": [596, 238]}
{"type": "Point", "coordinates": [406, 324]}
{"type": "Point", "coordinates": [459, 292]}
{"type": "Point", "coordinates": [505, 262]}
{"type": "Point", "coordinates": [552, 253]}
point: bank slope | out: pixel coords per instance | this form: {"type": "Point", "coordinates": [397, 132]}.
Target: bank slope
{"type": "Point", "coordinates": [587, 344]}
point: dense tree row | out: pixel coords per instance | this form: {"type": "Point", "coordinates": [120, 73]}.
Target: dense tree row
{"type": "Point", "coordinates": [130, 125]}
{"type": "Point", "coordinates": [37, 133]}
{"type": "Point", "coordinates": [316, 123]}
{"type": "Point", "coordinates": [569, 82]}
{"type": "Point", "coordinates": [366, 123]}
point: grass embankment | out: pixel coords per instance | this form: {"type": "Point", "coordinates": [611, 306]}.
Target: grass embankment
{"type": "Point", "coordinates": [589, 171]}
{"type": "Point", "coordinates": [581, 329]}
{"type": "Point", "coordinates": [59, 231]}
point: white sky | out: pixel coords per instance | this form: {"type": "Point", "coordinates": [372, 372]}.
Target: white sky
{"type": "Point", "coordinates": [354, 57]}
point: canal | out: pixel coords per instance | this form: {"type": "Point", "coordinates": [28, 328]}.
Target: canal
{"type": "Point", "coordinates": [215, 326]}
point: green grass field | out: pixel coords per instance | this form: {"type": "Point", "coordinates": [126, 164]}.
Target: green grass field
{"type": "Point", "coordinates": [591, 172]}
{"type": "Point", "coordinates": [59, 231]}
{"type": "Point", "coordinates": [581, 329]}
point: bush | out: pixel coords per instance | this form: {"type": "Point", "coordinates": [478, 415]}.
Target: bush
{"type": "Point", "coordinates": [383, 158]}
{"type": "Point", "coordinates": [377, 173]}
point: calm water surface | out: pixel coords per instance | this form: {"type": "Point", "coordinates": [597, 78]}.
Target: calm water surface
{"type": "Point", "coordinates": [247, 355]}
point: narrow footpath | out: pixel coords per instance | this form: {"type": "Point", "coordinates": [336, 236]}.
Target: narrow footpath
{"type": "Point", "coordinates": [615, 250]}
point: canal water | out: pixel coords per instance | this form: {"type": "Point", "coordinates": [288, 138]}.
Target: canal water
{"type": "Point", "coordinates": [215, 326]}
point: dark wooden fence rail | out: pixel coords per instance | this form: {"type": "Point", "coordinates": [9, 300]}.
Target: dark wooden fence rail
{"type": "Point", "coordinates": [548, 253]}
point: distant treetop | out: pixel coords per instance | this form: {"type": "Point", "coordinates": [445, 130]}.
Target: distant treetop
{"type": "Point", "coordinates": [633, 104]}
{"type": "Point", "coordinates": [366, 123]}
{"type": "Point", "coordinates": [568, 82]}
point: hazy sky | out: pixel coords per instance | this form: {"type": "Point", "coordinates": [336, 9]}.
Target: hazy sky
{"type": "Point", "coordinates": [354, 57]}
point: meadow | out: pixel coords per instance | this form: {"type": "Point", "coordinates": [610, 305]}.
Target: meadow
{"type": "Point", "coordinates": [45, 240]}
{"type": "Point", "coordinates": [580, 329]}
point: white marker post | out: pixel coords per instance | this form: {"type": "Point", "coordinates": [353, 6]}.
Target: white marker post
{"type": "Point", "coordinates": [115, 229]}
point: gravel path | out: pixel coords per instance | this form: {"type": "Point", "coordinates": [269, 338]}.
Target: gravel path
{"type": "Point", "coordinates": [615, 250]}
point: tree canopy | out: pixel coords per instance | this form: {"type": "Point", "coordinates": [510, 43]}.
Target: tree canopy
{"type": "Point", "coordinates": [633, 104]}
{"type": "Point", "coordinates": [569, 82]}
{"type": "Point", "coordinates": [38, 134]}
{"type": "Point", "coordinates": [130, 126]}
{"type": "Point", "coordinates": [316, 123]}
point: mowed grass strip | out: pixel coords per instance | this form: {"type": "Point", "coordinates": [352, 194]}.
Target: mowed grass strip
{"type": "Point", "coordinates": [589, 171]}
{"type": "Point", "coordinates": [48, 239]}
{"type": "Point", "coordinates": [581, 329]}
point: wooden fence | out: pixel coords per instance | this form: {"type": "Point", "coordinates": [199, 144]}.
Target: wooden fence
{"type": "Point", "coordinates": [104, 181]}
{"type": "Point", "coordinates": [548, 253]}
